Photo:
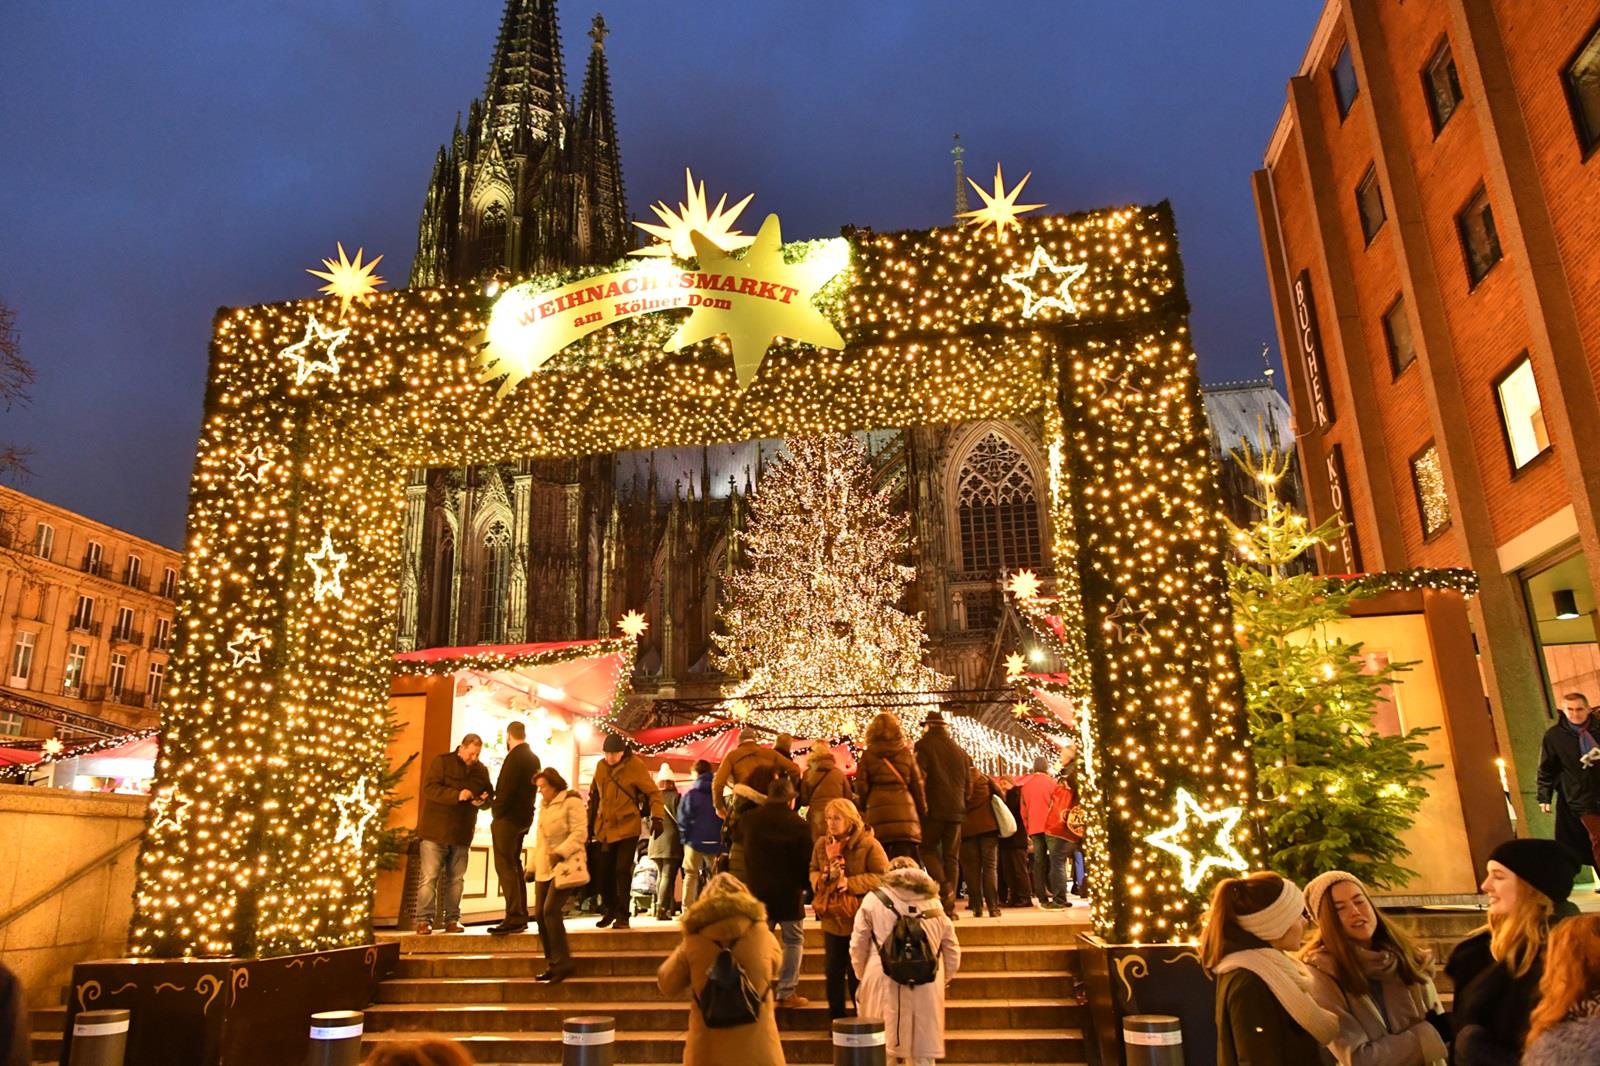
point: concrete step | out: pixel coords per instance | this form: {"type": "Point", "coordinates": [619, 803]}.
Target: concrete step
{"type": "Point", "coordinates": [48, 1025]}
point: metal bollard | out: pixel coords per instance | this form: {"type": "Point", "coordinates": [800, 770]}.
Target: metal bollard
{"type": "Point", "coordinates": [336, 1038]}
{"type": "Point", "coordinates": [99, 1038]}
{"type": "Point", "coordinates": [589, 1041]}
{"type": "Point", "coordinates": [859, 1042]}
{"type": "Point", "coordinates": [1152, 1040]}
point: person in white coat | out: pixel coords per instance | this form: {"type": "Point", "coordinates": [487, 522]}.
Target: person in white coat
{"type": "Point", "coordinates": [559, 867]}
{"type": "Point", "coordinates": [913, 1017]}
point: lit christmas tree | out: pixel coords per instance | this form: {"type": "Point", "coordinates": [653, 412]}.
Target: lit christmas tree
{"type": "Point", "coordinates": [1335, 793]}
{"type": "Point", "coordinates": [814, 610]}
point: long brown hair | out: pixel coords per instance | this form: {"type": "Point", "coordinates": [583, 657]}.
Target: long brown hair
{"type": "Point", "coordinates": [1233, 897]}
{"type": "Point", "coordinates": [1517, 938]}
{"type": "Point", "coordinates": [1571, 972]}
{"type": "Point", "coordinates": [1328, 936]}
{"type": "Point", "coordinates": [886, 727]}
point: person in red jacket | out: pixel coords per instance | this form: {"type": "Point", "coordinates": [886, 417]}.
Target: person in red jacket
{"type": "Point", "coordinates": [1037, 789]}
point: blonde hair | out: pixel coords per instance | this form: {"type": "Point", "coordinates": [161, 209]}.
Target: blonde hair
{"type": "Point", "coordinates": [1516, 939]}
{"type": "Point", "coordinates": [886, 727]}
{"type": "Point", "coordinates": [845, 809]}
{"type": "Point", "coordinates": [1571, 972]}
{"type": "Point", "coordinates": [724, 883]}
{"type": "Point", "coordinates": [1233, 897]}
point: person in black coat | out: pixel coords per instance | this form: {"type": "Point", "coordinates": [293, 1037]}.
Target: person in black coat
{"type": "Point", "coordinates": [513, 815]}
{"type": "Point", "coordinates": [1569, 767]}
{"type": "Point", "coordinates": [777, 848]}
{"type": "Point", "coordinates": [15, 1034]}
{"type": "Point", "coordinates": [1496, 970]}
{"type": "Point", "coordinates": [455, 788]}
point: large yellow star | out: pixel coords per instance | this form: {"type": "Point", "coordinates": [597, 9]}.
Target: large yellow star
{"type": "Point", "coordinates": [767, 298]}
{"type": "Point", "coordinates": [1000, 208]}
{"type": "Point", "coordinates": [1044, 292]}
{"type": "Point", "coordinates": [347, 279]}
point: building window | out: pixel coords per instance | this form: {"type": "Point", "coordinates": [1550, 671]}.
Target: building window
{"type": "Point", "coordinates": [1345, 88]}
{"type": "Point", "coordinates": [123, 630]}
{"type": "Point", "coordinates": [997, 508]}
{"type": "Point", "coordinates": [1442, 85]}
{"type": "Point", "coordinates": [93, 558]}
{"type": "Point", "coordinates": [162, 641]}
{"type": "Point", "coordinates": [443, 590]}
{"type": "Point", "coordinates": [1369, 201]}
{"type": "Point", "coordinates": [1521, 415]}
{"type": "Point", "coordinates": [495, 573]}
{"type": "Point", "coordinates": [131, 576]}
{"type": "Point", "coordinates": [1583, 91]}
{"type": "Point", "coordinates": [119, 673]}
{"type": "Point", "coordinates": [10, 725]}
{"type": "Point", "coordinates": [1397, 336]}
{"type": "Point", "coordinates": [22, 659]}
{"type": "Point", "coordinates": [152, 683]}
{"type": "Point", "coordinates": [44, 540]}
{"type": "Point", "coordinates": [1479, 241]}
{"type": "Point", "coordinates": [492, 228]}
{"type": "Point", "coordinates": [169, 583]}
{"type": "Point", "coordinates": [1427, 481]}
{"type": "Point", "coordinates": [77, 659]}
{"type": "Point", "coordinates": [83, 614]}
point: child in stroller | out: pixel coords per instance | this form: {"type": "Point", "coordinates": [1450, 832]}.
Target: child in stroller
{"type": "Point", "coordinates": [642, 891]}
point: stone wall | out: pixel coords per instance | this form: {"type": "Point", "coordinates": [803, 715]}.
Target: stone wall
{"type": "Point", "coordinates": [46, 834]}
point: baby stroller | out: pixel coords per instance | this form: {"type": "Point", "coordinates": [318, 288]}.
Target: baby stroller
{"type": "Point", "coordinates": [642, 891]}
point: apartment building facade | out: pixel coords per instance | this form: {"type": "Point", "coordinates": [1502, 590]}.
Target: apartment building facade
{"type": "Point", "coordinates": [86, 618]}
{"type": "Point", "coordinates": [1430, 215]}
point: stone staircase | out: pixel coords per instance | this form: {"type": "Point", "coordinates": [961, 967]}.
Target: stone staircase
{"type": "Point", "coordinates": [1014, 1000]}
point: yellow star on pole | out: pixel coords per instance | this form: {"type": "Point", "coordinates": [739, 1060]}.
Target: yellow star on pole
{"type": "Point", "coordinates": [769, 298]}
{"type": "Point", "coordinates": [1222, 854]}
{"type": "Point", "coordinates": [346, 279]}
{"type": "Point", "coordinates": [716, 224]}
{"type": "Point", "coordinates": [327, 566]}
{"type": "Point", "coordinates": [1016, 666]}
{"type": "Point", "coordinates": [322, 335]}
{"type": "Point", "coordinates": [633, 625]}
{"type": "Point", "coordinates": [1053, 290]}
{"type": "Point", "coordinates": [1024, 585]}
{"type": "Point", "coordinates": [1000, 208]}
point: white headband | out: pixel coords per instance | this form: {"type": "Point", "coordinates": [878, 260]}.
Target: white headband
{"type": "Point", "coordinates": [1274, 921]}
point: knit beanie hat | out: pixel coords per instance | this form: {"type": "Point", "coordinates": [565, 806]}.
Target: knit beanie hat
{"type": "Point", "coordinates": [1544, 864]}
{"type": "Point", "coordinates": [1318, 888]}
{"type": "Point", "coordinates": [614, 743]}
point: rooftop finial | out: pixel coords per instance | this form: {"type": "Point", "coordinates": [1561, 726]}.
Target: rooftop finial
{"type": "Point", "coordinates": [961, 176]}
{"type": "Point", "coordinates": [1266, 361]}
{"type": "Point", "coordinates": [598, 31]}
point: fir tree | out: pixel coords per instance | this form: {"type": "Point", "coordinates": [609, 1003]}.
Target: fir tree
{"type": "Point", "coordinates": [1334, 793]}
{"type": "Point", "coordinates": [814, 609]}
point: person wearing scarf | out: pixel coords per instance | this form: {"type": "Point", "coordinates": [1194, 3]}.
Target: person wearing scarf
{"type": "Point", "coordinates": [1569, 777]}
{"type": "Point", "coordinates": [1369, 975]}
{"type": "Point", "coordinates": [1266, 1015]}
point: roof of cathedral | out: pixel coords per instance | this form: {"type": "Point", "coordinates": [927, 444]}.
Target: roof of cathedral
{"type": "Point", "coordinates": [1240, 411]}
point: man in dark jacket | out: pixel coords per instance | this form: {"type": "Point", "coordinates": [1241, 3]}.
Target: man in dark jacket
{"type": "Point", "coordinates": [455, 788]}
{"type": "Point", "coordinates": [513, 815]}
{"type": "Point", "coordinates": [946, 773]}
{"type": "Point", "coordinates": [1569, 764]}
{"type": "Point", "coordinates": [700, 827]}
{"type": "Point", "coordinates": [777, 847]}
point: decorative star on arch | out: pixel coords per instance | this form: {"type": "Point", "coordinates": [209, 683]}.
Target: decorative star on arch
{"type": "Point", "coordinates": [348, 279]}
{"type": "Point", "coordinates": [1000, 208]}
{"type": "Point", "coordinates": [1016, 666]}
{"type": "Point", "coordinates": [320, 335]}
{"type": "Point", "coordinates": [169, 810]}
{"type": "Point", "coordinates": [355, 811]}
{"type": "Point", "coordinates": [253, 465]}
{"type": "Point", "coordinates": [327, 565]}
{"type": "Point", "coordinates": [633, 624]}
{"type": "Point", "coordinates": [247, 647]}
{"type": "Point", "coordinates": [1052, 290]}
{"type": "Point", "coordinates": [1221, 854]}
{"type": "Point", "coordinates": [1128, 620]}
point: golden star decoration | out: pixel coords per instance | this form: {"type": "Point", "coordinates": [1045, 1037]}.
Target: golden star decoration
{"type": "Point", "coordinates": [1021, 710]}
{"type": "Point", "coordinates": [1127, 620]}
{"type": "Point", "coordinates": [327, 566]}
{"type": "Point", "coordinates": [1222, 854]}
{"type": "Point", "coordinates": [770, 298]}
{"type": "Point", "coordinates": [1016, 666]}
{"type": "Point", "coordinates": [54, 747]}
{"type": "Point", "coordinates": [1000, 208]}
{"type": "Point", "coordinates": [1039, 293]}
{"type": "Point", "coordinates": [633, 625]}
{"type": "Point", "coordinates": [169, 810]}
{"type": "Point", "coordinates": [247, 647]}
{"type": "Point", "coordinates": [692, 216]}
{"type": "Point", "coordinates": [347, 279]}
{"type": "Point", "coordinates": [252, 465]}
{"type": "Point", "coordinates": [1024, 585]}
{"type": "Point", "coordinates": [317, 333]}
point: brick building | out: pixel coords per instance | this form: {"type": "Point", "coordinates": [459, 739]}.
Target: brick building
{"type": "Point", "coordinates": [1430, 215]}
{"type": "Point", "coordinates": [86, 621]}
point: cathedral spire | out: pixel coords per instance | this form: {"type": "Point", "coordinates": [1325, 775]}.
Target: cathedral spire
{"type": "Point", "coordinates": [599, 155]}
{"type": "Point", "coordinates": [961, 177]}
{"type": "Point", "coordinates": [526, 82]}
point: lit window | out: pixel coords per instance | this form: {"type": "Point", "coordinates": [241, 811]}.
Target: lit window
{"type": "Point", "coordinates": [44, 540]}
{"type": "Point", "coordinates": [22, 658]}
{"type": "Point", "coordinates": [1345, 88]}
{"type": "Point", "coordinates": [1479, 241]}
{"type": "Point", "coordinates": [1369, 201]}
{"type": "Point", "coordinates": [997, 508]}
{"type": "Point", "coordinates": [1397, 337]}
{"type": "Point", "coordinates": [1444, 88]}
{"type": "Point", "coordinates": [1427, 480]}
{"type": "Point", "coordinates": [77, 657]}
{"type": "Point", "coordinates": [1521, 415]}
{"type": "Point", "coordinates": [131, 578]}
{"type": "Point", "coordinates": [1582, 77]}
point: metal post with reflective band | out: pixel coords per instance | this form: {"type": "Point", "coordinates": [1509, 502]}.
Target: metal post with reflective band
{"type": "Point", "coordinates": [336, 1038]}
{"type": "Point", "coordinates": [589, 1041]}
{"type": "Point", "coordinates": [99, 1038]}
{"type": "Point", "coordinates": [1152, 1040]}
{"type": "Point", "coordinates": [859, 1042]}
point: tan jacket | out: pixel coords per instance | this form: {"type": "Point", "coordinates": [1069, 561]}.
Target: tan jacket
{"type": "Point", "coordinates": [752, 765]}
{"type": "Point", "coordinates": [1364, 1039]}
{"type": "Point", "coordinates": [823, 783]}
{"type": "Point", "coordinates": [738, 921]}
{"type": "Point", "coordinates": [615, 796]}
{"type": "Point", "coordinates": [865, 863]}
{"type": "Point", "coordinates": [560, 834]}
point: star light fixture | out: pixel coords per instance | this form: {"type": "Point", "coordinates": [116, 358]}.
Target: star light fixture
{"type": "Point", "coordinates": [317, 333]}
{"type": "Point", "coordinates": [1127, 621]}
{"type": "Point", "coordinates": [1016, 666]}
{"type": "Point", "coordinates": [633, 624]}
{"type": "Point", "coordinates": [1000, 208]}
{"type": "Point", "coordinates": [247, 647]}
{"type": "Point", "coordinates": [1020, 710]}
{"type": "Point", "coordinates": [1222, 854]}
{"type": "Point", "coordinates": [252, 465]}
{"type": "Point", "coordinates": [1039, 293]}
{"type": "Point", "coordinates": [1024, 585]}
{"type": "Point", "coordinates": [355, 811]}
{"type": "Point", "coordinates": [54, 747]}
{"type": "Point", "coordinates": [169, 810]}
{"type": "Point", "coordinates": [347, 279]}
{"type": "Point", "coordinates": [692, 216]}
{"type": "Point", "coordinates": [328, 567]}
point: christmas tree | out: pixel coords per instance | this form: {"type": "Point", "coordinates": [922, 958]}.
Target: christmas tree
{"type": "Point", "coordinates": [1335, 793]}
{"type": "Point", "coordinates": [814, 610]}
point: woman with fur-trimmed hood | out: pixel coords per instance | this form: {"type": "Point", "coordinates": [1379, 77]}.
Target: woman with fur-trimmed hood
{"type": "Point", "coordinates": [726, 916]}
{"type": "Point", "coordinates": [913, 1018]}
{"type": "Point", "coordinates": [823, 781]}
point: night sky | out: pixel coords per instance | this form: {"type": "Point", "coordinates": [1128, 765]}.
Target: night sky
{"type": "Point", "coordinates": [163, 159]}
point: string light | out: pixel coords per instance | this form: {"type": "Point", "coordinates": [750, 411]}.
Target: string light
{"type": "Point", "coordinates": [1219, 852]}
{"type": "Point", "coordinates": [317, 335]}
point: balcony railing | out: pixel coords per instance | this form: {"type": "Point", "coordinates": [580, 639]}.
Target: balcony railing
{"type": "Point", "coordinates": [83, 625]}
{"type": "Point", "coordinates": [137, 582]}
{"type": "Point", "coordinates": [94, 566]}
{"type": "Point", "coordinates": [127, 636]}
{"type": "Point", "coordinates": [105, 693]}
{"type": "Point", "coordinates": [161, 643]}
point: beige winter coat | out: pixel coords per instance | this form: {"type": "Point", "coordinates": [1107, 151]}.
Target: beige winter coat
{"type": "Point", "coordinates": [1364, 1039]}
{"type": "Point", "coordinates": [738, 921]}
{"type": "Point", "coordinates": [913, 1018]}
{"type": "Point", "coordinates": [559, 835]}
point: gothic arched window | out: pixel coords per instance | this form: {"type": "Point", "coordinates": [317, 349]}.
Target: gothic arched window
{"type": "Point", "coordinates": [997, 508]}
{"type": "Point", "coordinates": [494, 577]}
{"type": "Point", "coordinates": [491, 246]}
{"type": "Point", "coordinates": [443, 580]}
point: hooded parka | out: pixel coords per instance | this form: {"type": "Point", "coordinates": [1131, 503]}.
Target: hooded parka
{"type": "Point", "coordinates": [737, 921]}
{"type": "Point", "coordinates": [889, 790]}
{"type": "Point", "coordinates": [913, 1018]}
{"type": "Point", "coordinates": [823, 782]}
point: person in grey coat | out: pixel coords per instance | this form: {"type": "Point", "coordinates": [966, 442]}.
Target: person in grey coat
{"type": "Point", "coordinates": [666, 848]}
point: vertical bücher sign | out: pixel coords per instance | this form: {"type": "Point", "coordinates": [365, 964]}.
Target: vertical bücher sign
{"type": "Point", "coordinates": [1339, 496]}
{"type": "Point", "coordinates": [1305, 325]}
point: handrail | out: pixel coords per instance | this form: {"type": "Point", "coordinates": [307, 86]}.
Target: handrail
{"type": "Point", "coordinates": [76, 875]}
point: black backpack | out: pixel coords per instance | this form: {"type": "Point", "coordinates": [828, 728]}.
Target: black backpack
{"type": "Point", "coordinates": [728, 998]}
{"type": "Point", "coordinates": [907, 957]}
